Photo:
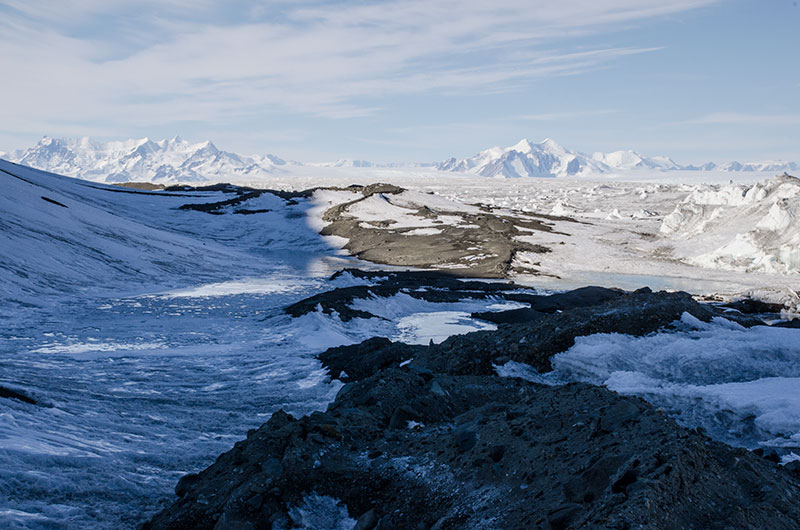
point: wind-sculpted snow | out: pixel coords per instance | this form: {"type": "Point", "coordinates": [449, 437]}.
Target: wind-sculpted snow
{"type": "Point", "coordinates": [66, 236]}
{"type": "Point", "coordinates": [748, 228]}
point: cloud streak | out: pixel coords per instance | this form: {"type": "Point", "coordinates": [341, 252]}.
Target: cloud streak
{"type": "Point", "coordinates": [165, 61]}
{"type": "Point", "coordinates": [739, 118]}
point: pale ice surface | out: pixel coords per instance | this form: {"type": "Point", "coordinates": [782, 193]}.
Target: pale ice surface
{"type": "Point", "coordinates": [147, 352]}
{"type": "Point", "coordinates": [739, 227]}
{"type": "Point", "coordinates": [741, 385]}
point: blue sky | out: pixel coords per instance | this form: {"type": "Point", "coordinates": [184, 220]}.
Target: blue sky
{"type": "Point", "coordinates": [411, 80]}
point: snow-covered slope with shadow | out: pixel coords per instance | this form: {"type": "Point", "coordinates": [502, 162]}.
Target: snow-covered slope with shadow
{"type": "Point", "coordinates": [143, 333]}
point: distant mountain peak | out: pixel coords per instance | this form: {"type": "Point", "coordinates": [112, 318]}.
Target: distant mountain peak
{"type": "Point", "coordinates": [548, 158]}
{"type": "Point", "coordinates": [175, 160]}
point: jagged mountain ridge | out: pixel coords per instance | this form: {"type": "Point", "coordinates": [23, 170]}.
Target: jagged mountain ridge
{"type": "Point", "coordinates": [549, 159]}
{"type": "Point", "coordinates": [166, 161]}
{"type": "Point", "coordinates": [179, 161]}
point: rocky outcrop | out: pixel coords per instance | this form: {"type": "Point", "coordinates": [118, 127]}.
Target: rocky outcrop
{"type": "Point", "coordinates": [428, 437]}
{"type": "Point", "coordinates": [473, 242]}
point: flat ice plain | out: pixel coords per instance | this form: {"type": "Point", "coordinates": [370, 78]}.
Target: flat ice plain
{"type": "Point", "coordinates": [153, 338]}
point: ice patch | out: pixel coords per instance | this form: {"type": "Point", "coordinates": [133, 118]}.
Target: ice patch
{"type": "Point", "coordinates": [523, 371]}
{"type": "Point", "coordinates": [422, 328]}
{"type": "Point", "coordinates": [99, 347]}
{"type": "Point", "coordinates": [321, 512]}
{"type": "Point", "coordinates": [741, 385]}
{"type": "Point", "coordinates": [245, 286]}
{"type": "Point", "coordinates": [423, 232]}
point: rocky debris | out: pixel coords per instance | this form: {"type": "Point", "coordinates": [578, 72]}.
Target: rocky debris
{"type": "Point", "coordinates": [433, 286]}
{"type": "Point", "coordinates": [531, 341]}
{"type": "Point", "coordinates": [752, 306]}
{"type": "Point", "coordinates": [359, 361]}
{"type": "Point", "coordinates": [10, 393]}
{"type": "Point", "coordinates": [53, 201]}
{"type": "Point", "coordinates": [486, 453]}
{"type": "Point", "coordinates": [582, 297]}
{"type": "Point", "coordinates": [482, 244]}
{"type": "Point", "coordinates": [442, 287]}
{"type": "Point", "coordinates": [147, 186]}
{"type": "Point", "coordinates": [241, 194]}
{"type": "Point", "coordinates": [428, 437]}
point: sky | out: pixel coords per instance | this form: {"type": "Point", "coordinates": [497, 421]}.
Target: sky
{"type": "Point", "coordinates": [408, 80]}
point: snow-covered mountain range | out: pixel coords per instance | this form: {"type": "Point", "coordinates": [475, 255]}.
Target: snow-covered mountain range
{"type": "Point", "coordinates": [549, 159]}
{"type": "Point", "coordinates": [179, 161]}
{"type": "Point", "coordinates": [167, 161]}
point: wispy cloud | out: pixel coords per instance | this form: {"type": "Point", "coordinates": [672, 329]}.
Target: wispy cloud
{"type": "Point", "coordinates": [558, 116]}
{"type": "Point", "coordinates": [738, 118]}
{"type": "Point", "coordinates": [158, 61]}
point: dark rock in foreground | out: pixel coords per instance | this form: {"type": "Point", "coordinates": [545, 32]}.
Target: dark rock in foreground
{"type": "Point", "coordinates": [487, 453]}
{"type": "Point", "coordinates": [441, 442]}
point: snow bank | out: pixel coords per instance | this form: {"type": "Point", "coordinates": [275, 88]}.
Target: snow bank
{"type": "Point", "coordinates": [738, 227]}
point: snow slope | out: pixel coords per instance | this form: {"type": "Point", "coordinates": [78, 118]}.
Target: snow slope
{"type": "Point", "coordinates": [66, 236]}
{"type": "Point", "coordinates": [153, 337]}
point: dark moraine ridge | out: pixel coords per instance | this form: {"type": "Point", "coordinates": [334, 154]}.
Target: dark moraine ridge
{"type": "Point", "coordinates": [427, 437]}
{"type": "Point", "coordinates": [484, 245]}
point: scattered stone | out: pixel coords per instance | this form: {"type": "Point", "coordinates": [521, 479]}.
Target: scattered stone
{"type": "Point", "coordinates": [9, 393]}
{"type": "Point", "coordinates": [483, 244]}
{"type": "Point", "coordinates": [367, 521]}
{"type": "Point", "coordinates": [402, 415]}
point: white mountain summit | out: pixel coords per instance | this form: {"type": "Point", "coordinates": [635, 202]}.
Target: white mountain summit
{"type": "Point", "coordinates": [165, 161]}
{"type": "Point", "coordinates": [525, 159]}
{"type": "Point", "coordinates": [179, 161]}
{"type": "Point", "coordinates": [549, 159]}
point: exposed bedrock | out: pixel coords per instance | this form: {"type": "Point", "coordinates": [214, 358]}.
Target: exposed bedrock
{"type": "Point", "coordinates": [476, 242]}
{"type": "Point", "coordinates": [441, 442]}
